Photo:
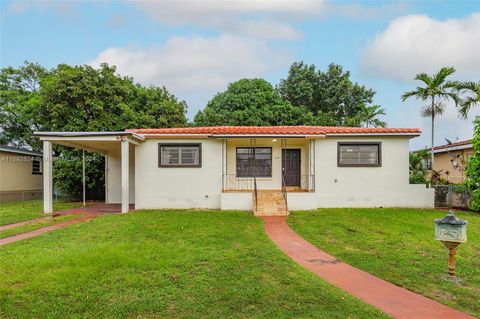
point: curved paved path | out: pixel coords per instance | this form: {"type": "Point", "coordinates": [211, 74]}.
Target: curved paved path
{"type": "Point", "coordinates": [26, 222]}
{"type": "Point", "coordinates": [39, 231]}
{"type": "Point", "coordinates": [394, 300]}
{"type": "Point", "coordinates": [87, 213]}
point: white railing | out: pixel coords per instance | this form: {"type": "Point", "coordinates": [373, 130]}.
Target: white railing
{"type": "Point", "coordinates": [233, 183]}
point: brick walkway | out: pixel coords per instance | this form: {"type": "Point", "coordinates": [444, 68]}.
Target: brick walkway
{"type": "Point", "coordinates": [392, 299]}
{"type": "Point", "coordinates": [86, 212]}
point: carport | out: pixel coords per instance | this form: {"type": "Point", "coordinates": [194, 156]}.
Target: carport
{"type": "Point", "coordinates": [115, 146]}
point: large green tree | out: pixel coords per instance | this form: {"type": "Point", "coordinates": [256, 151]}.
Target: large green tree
{"type": "Point", "coordinates": [435, 90]}
{"type": "Point", "coordinates": [325, 92]}
{"type": "Point", "coordinates": [254, 102]}
{"type": "Point", "coordinates": [20, 104]}
{"type": "Point", "coordinates": [78, 98]}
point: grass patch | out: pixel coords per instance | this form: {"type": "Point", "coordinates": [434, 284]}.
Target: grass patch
{"type": "Point", "coordinates": [19, 211]}
{"type": "Point", "coordinates": [36, 225]}
{"type": "Point", "coordinates": [398, 245]}
{"type": "Point", "coordinates": [164, 264]}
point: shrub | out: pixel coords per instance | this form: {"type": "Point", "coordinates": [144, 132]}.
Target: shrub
{"type": "Point", "coordinates": [417, 171]}
{"type": "Point", "coordinates": [473, 168]}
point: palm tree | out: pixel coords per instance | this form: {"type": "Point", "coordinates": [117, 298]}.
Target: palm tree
{"type": "Point", "coordinates": [436, 89]}
{"type": "Point", "coordinates": [473, 98]}
{"type": "Point", "coordinates": [369, 116]}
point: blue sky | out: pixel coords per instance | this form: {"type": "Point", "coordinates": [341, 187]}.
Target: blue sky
{"type": "Point", "coordinates": [195, 48]}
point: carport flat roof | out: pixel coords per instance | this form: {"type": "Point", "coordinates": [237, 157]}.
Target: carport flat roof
{"type": "Point", "coordinates": [99, 142]}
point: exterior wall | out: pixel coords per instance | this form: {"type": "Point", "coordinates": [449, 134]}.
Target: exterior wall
{"type": "Point", "coordinates": [176, 187]}
{"type": "Point", "coordinates": [443, 164]}
{"type": "Point", "coordinates": [274, 182]}
{"type": "Point", "coordinates": [236, 201]}
{"type": "Point", "coordinates": [301, 201]}
{"type": "Point", "coordinates": [385, 186]}
{"type": "Point", "coordinates": [16, 176]}
{"type": "Point", "coordinates": [113, 180]}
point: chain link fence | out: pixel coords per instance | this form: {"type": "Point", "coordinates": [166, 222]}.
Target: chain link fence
{"type": "Point", "coordinates": [452, 196]}
{"type": "Point", "coordinates": [96, 194]}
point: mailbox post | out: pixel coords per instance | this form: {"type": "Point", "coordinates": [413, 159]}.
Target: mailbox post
{"type": "Point", "coordinates": [451, 231]}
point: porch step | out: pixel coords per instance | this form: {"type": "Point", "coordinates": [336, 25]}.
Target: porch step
{"type": "Point", "coordinates": [270, 203]}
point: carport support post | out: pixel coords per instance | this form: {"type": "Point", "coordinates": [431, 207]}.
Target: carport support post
{"type": "Point", "coordinates": [47, 178]}
{"type": "Point", "coordinates": [125, 175]}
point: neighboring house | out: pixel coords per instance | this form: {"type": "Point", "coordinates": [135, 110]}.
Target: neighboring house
{"type": "Point", "coordinates": [219, 167]}
{"type": "Point", "coordinates": [451, 160]}
{"type": "Point", "coordinates": [20, 174]}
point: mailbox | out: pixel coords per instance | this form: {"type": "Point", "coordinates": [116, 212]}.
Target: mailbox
{"type": "Point", "coordinates": [451, 229]}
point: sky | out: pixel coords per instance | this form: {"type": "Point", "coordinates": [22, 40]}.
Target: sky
{"type": "Point", "coordinates": [196, 48]}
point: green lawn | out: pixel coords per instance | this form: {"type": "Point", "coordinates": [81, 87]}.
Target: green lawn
{"type": "Point", "coordinates": [397, 245]}
{"type": "Point", "coordinates": [36, 225]}
{"type": "Point", "coordinates": [18, 211]}
{"type": "Point", "coordinates": [164, 264]}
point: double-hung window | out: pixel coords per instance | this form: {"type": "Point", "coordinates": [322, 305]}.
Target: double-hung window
{"type": "Point", "coordinates": [180, 155]}
{"type": "Point", "coordinates": [254, 161]}
{"type": "Point", "coordinates": [359, 154]}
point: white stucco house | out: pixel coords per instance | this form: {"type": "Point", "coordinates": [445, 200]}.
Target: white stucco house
{"type": "Point", "coordinates": [226, 167]}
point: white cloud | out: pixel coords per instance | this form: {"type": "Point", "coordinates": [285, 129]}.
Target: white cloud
{"type": "Point", "coordinates": [270, 30]}
{"type": "Point", "coordinates": [418, 43]}
{"type": "Point", "coordinates": [211, 12]}
{"type": "Point", "coordinates": [258, 18]}
{"type": "Point", "coordinates": [195, 65]}
{"type": "Point", "coordinates": [360, 11]}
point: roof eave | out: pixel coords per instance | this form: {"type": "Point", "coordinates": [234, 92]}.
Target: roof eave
{"type": "Point", "coordinates": [374, 134]}
{"type": "Point", "coordinates": [267, 135]}
{"type": "Point", "coordinates": [453, 148]}
{"type": "Point", "coordinates": [24, 152]}
{"type": "Point", "coordinates": [89, 134]}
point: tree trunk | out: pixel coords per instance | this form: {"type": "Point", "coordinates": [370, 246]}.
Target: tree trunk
{"type": "Point", "coordinates": [433, 132]}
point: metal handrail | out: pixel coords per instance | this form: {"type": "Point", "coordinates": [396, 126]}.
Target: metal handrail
{"type": "Point", "coordinates": [284, 190]}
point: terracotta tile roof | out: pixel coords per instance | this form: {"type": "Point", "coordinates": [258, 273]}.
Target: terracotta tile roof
{"type": "Point", "coordinates": [275, 130]}
{"type": "Point", "coordinates": [441, 147]}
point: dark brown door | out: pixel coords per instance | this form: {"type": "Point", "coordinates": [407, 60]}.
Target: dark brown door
{"type": "Point", "coordinates": [291, 166]}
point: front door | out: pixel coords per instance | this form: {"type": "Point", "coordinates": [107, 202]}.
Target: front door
{"type": "Point", "coordinates": [291, 166]}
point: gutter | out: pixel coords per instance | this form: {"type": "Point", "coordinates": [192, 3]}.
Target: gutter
{"type": "Point", "coordinates": [268, 135]}
{"type": "Point", "coordinates": [374, 134]}
{"type": "Point", "coordinates": [454, 148]}
{"type": "Point", "coordinates": [87, 134]}
{"type": "Point", "coordinates": [31, 153]}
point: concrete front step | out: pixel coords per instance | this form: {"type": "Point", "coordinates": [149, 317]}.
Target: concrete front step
{"type": "Point", "coordinates": [270, 203]}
